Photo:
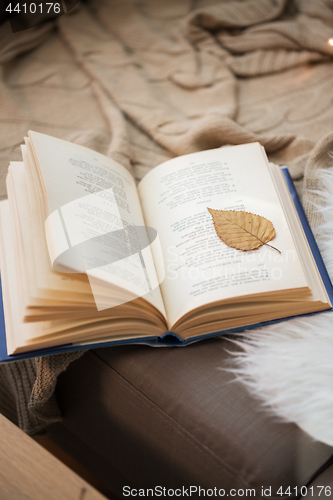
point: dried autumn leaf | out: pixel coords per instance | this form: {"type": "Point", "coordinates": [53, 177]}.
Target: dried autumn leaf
{"type": "Point", "coordinates": [242, 230]}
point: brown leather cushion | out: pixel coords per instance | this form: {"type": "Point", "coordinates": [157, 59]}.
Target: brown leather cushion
{"type": "Point", "coordinates": [174, 417]}
{"type": "Point", "coordinates": [322, 486]}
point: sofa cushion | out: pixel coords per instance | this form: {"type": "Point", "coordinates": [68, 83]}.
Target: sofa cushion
{"type": "Point", "coordinates": [175, 417]}
{"type": "Point", "coordinates": [322, 486]}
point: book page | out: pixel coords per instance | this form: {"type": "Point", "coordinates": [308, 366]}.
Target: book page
{"type": "Point", "coordinates": [89, 195]}
{"type": "Point", "coordinates": [41, 280]}
{"type": "Point", "coordinates": [200, 268]}
{"type": "Point", "coordinates": [22, 337]}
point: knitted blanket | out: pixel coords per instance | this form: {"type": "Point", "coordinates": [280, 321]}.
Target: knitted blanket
{"type": "Point", "coordinates": [143, 81]}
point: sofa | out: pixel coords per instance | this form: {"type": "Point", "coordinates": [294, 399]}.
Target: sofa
{"type": "Point", "coordinates": [139, 417]}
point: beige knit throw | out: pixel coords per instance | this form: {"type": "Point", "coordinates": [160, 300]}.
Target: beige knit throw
{"type": "Point", "coordinates": [145, 81]}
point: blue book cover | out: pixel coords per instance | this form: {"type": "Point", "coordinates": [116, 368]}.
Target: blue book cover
{"type": "Point", "coordinates": [170, 339]}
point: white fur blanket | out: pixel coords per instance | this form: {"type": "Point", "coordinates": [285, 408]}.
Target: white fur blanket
{"type": "Point", "coordinates": [289, 366]}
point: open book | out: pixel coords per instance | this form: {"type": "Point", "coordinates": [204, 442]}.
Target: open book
{"type": "Point", "coordinates": [182, 284]}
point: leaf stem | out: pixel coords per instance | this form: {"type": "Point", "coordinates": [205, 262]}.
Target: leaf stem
{"type": "Point", "coordinates": [272, 247]}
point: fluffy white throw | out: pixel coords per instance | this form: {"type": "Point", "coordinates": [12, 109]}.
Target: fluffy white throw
{"type": "Point", "coordinates": [289, 365]}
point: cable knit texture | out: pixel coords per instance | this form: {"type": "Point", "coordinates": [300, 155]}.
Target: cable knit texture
{"type": "Point", "coordinates": [144, 81]}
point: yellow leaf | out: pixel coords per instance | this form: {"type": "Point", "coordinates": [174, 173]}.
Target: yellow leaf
{"type": "Point", "coordinates": [242, 230]}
